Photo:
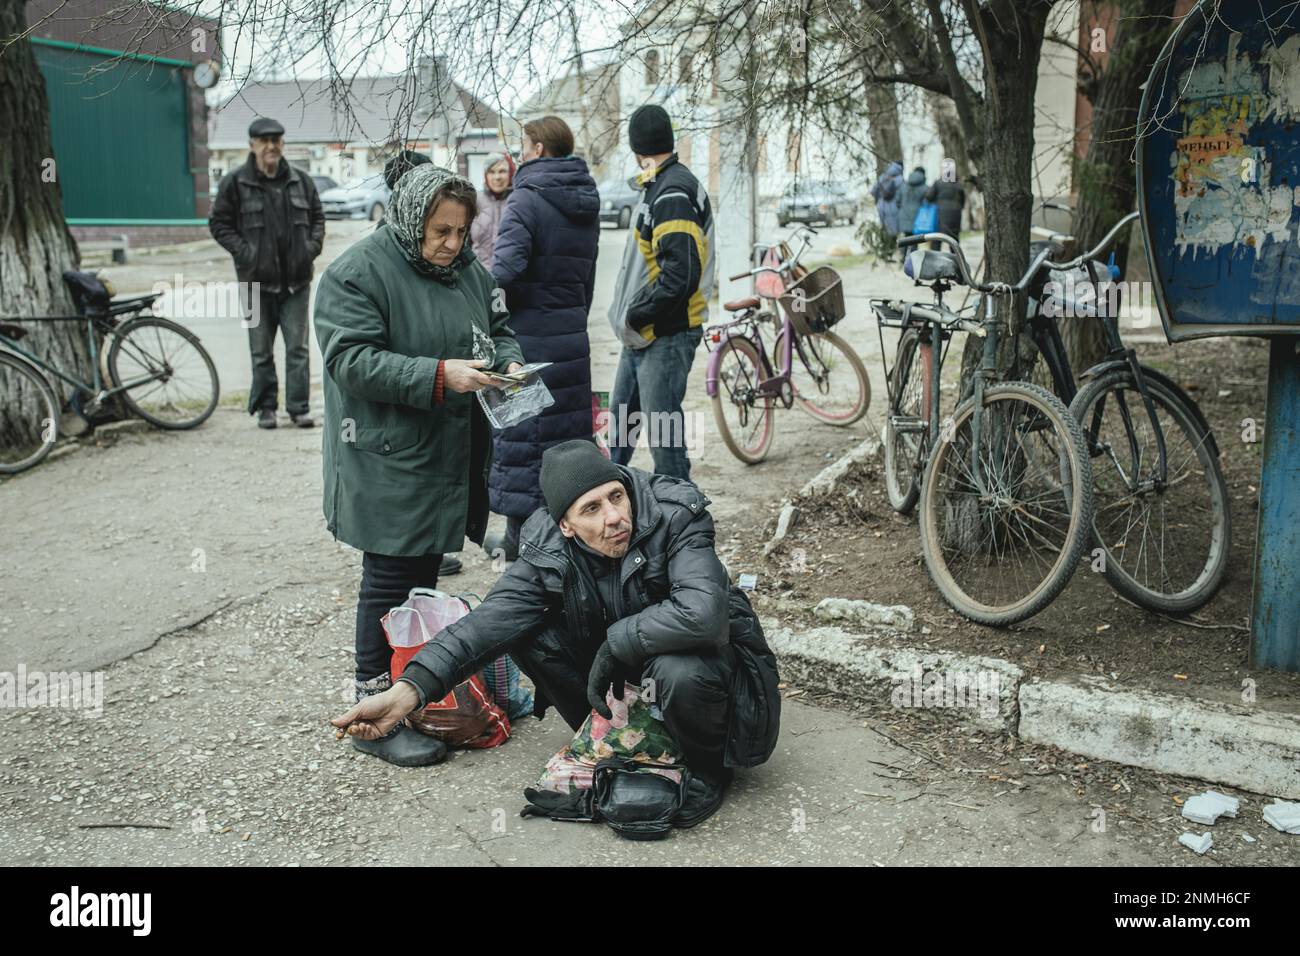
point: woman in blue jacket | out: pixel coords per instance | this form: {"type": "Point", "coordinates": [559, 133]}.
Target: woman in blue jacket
{"type": "Point", "coordinates": [545, 260]}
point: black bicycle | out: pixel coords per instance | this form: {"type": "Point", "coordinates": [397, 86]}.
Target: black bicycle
{"type": "Point", "coordinates": [1160, 500]}
{"type": "Point", "coordinates": [155, 366]}
{"type": "Point", "coordinates": [1005, 484]}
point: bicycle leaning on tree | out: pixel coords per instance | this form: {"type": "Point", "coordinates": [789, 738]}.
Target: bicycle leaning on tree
{"type": "Point", "coordinates": [157, 368]}
{"type": "Point", "coordinates": [1004, 484]}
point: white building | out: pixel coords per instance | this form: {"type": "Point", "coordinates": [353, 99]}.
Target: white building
{"type": "Point", "coordinates": [352, 137]}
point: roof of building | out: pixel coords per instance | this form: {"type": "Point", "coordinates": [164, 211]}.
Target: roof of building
{"type": "Point", "coordinates": [559, 93]}
{"type": "Point", "coordinates": [374, 110]}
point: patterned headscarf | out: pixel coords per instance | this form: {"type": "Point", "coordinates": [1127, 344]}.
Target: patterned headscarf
{"type": "Point", "coordinates": [408, 209]}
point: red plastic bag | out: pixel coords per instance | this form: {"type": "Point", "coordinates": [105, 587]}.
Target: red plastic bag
{"type": "Point", "coordinates": [466, 717]}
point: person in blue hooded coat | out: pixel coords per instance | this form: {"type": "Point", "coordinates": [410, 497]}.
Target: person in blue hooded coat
{"type": "Point", "coordinates": [545, 260]}
{"type": "Point", "coordinates": [885, 193]}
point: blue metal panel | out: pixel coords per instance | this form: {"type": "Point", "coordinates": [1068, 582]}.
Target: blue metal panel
{"type": "Point", "coordinates": [1276, 626]}
{"type": "Point", "coordinates": [1219, 192]}
{"type": "Point", "coordinates": [1219, 172]}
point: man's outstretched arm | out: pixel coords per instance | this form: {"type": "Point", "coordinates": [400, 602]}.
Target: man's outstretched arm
{"type": "Point", "coordinates": [513, 610]}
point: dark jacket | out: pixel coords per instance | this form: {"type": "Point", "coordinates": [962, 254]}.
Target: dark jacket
{"type": "Point", "coordinates": [545, 260]}
{"type": "Point", "coordinates": [253, 213]}
{"type": "Point", "coordinates": [675, 599]}
{"type": "Point", "coordinates": [910, 197]}
{"type": "Point", "coordinates": [666, 277]}
{"type": "Point", "coordinates": [885, 193]}
{"type": "Point", "coordinates": [951, 199]}
{"type": "Point", "coordinates": [404, 475]}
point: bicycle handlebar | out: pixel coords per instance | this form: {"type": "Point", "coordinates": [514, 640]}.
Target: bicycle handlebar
{"type": "Point", "coordinates": [1096, 250]}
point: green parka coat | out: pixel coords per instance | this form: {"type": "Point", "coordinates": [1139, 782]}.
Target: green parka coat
{"type": "Point", "coordinates": [405, 476]}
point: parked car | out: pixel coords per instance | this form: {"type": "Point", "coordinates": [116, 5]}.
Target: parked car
{"type": "Point", "coordinates": [364, 198]}
{"type": "Point", "coordinates": [324, 183]}
{"type": "Point", "coordinates": [617, 201]}
{"type": "Point", "coordinates": [816, 200]}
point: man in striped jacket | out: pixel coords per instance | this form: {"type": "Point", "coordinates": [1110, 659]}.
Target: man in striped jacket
{"type": "Point", "coordinates": [662, 298]}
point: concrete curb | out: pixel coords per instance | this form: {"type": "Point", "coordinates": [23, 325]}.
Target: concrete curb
{"type": "Point", "coordinates": [822, 483]}
{"type": "Point", "coordinates": [980, 691]}
{"type": "Point", "coordinates": [1248, 748]}
{"type": "Point", "coordinates": [1252, 749]}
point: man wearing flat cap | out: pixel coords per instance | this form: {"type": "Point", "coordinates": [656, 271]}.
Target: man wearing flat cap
{"type": "Point", "coordinates": [268, 216]}
{"type": "Point", "coordinates": [617, 580]}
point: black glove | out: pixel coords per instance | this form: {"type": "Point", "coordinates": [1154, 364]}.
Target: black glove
{"type": "Point", "coordinates": [606, 669]}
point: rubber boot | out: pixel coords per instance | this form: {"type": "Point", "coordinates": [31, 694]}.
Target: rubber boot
{"type": "Point", "coordinates": [704, 793]}
{"type": "Point", "coordinates": [401, 746]}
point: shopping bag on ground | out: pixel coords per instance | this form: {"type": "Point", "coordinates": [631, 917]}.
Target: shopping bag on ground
{"type": "Point", "coordinates": [467, 717]}
{"type": "Point", "coordinates": [634, 733]}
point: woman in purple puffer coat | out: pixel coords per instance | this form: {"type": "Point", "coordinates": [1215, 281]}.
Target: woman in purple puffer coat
{"type": "Point", "coordinates": [498, 177]}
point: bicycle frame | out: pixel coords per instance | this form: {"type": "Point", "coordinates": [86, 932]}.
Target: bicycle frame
{"type": "Point", "coordinates": [96, 389]}
{"type": "Point", "coordinates": [1047, 336]}
{"type": "Point", "coordinates": [773, 384]}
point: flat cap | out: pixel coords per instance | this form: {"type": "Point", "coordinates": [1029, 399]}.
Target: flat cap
{"type": "Point", "coordinates": [264, 126]}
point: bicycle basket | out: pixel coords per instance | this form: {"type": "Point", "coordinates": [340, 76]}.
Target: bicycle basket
{"type": "Point", "coordinates": [815, 302]}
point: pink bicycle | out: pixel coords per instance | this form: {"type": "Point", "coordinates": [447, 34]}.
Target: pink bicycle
{"type": "Point", "coordinates": [819, 371]}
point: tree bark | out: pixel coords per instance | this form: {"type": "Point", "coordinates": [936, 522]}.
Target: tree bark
{"type": "Point", "coordinates": [882, 122]}
{"type": "Point", "coordinates": [1011, 37]}
{"type": "Point", "coordinates": [1105, 180]}
{"type": "Point", "coordinates": [35, 244]}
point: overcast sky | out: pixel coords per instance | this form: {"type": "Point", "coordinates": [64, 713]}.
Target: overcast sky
{"type": "Point", "coordinates": [501, 50]}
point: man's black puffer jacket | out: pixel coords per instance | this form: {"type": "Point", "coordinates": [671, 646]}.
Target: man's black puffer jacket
{"type": "Point", "coordinates": [675, 599]}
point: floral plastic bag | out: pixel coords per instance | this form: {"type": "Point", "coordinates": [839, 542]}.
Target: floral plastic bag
{"type": "Point", "coordinates": [633, 731]}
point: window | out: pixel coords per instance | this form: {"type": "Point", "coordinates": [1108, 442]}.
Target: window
{"type": "Point", "coordinates": [793, 147]}
{"type": "Point", "coordinates": [652, 68]}
{"type": "Point", "coordinates": [684, 68]}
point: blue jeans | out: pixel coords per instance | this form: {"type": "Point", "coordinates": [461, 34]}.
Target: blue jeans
{"type": "Point", "coordinates": [652, 382]}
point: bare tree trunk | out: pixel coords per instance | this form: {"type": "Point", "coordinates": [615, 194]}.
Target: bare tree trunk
{"type": "Point", "coordinates": [1104, 178]}
{"type": "Point", "coordinates": [35, 244]}
{"type": "Point", "coordinates": [882, 124]}
{"type": "Point", "coordinates": [1011, 39]}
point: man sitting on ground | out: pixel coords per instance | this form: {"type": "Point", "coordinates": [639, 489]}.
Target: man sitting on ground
{"type": "Point", "coordinates": [617, 580]}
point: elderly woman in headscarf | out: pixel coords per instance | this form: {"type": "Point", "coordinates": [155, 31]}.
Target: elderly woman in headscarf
{"type": "Point", "coordinates": [498, 178]}
{"type": "Point", "coordinates": [408, 325]}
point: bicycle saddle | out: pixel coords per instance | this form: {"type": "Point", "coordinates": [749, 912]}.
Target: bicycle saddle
{"type": "Point", "coordinates": [928, 265]}
{"type": "Point", "coordinates": [736, 305]}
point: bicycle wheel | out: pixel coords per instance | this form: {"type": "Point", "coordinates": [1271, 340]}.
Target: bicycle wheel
{"type": "Point", "coordinates": [1165, 549]}
{"type": "Point", "coordinates": [178, 386]}
{"type": "Point", "coordinates": [744, 417]}
{"type": "Point", "coordinates": [903, 449]}
{"type": "Point", "coordinates": [829, 380]}
{"type": "Point", "coordinates": [29, 417]}
{"type": "Point", "coordinates": [1002, 540]}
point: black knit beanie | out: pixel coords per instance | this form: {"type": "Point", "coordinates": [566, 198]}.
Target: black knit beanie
{"type": "Point", "coordinates": [650, 131]}
{"type": "Point", "coordinates": [571, 469]}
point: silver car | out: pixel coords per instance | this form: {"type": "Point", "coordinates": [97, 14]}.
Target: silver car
{"type": "Point", "coordinates": [364, 198]}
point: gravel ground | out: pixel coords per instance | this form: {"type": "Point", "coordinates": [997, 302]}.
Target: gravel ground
{"type": "Point", "coordinates": [194, 571]}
